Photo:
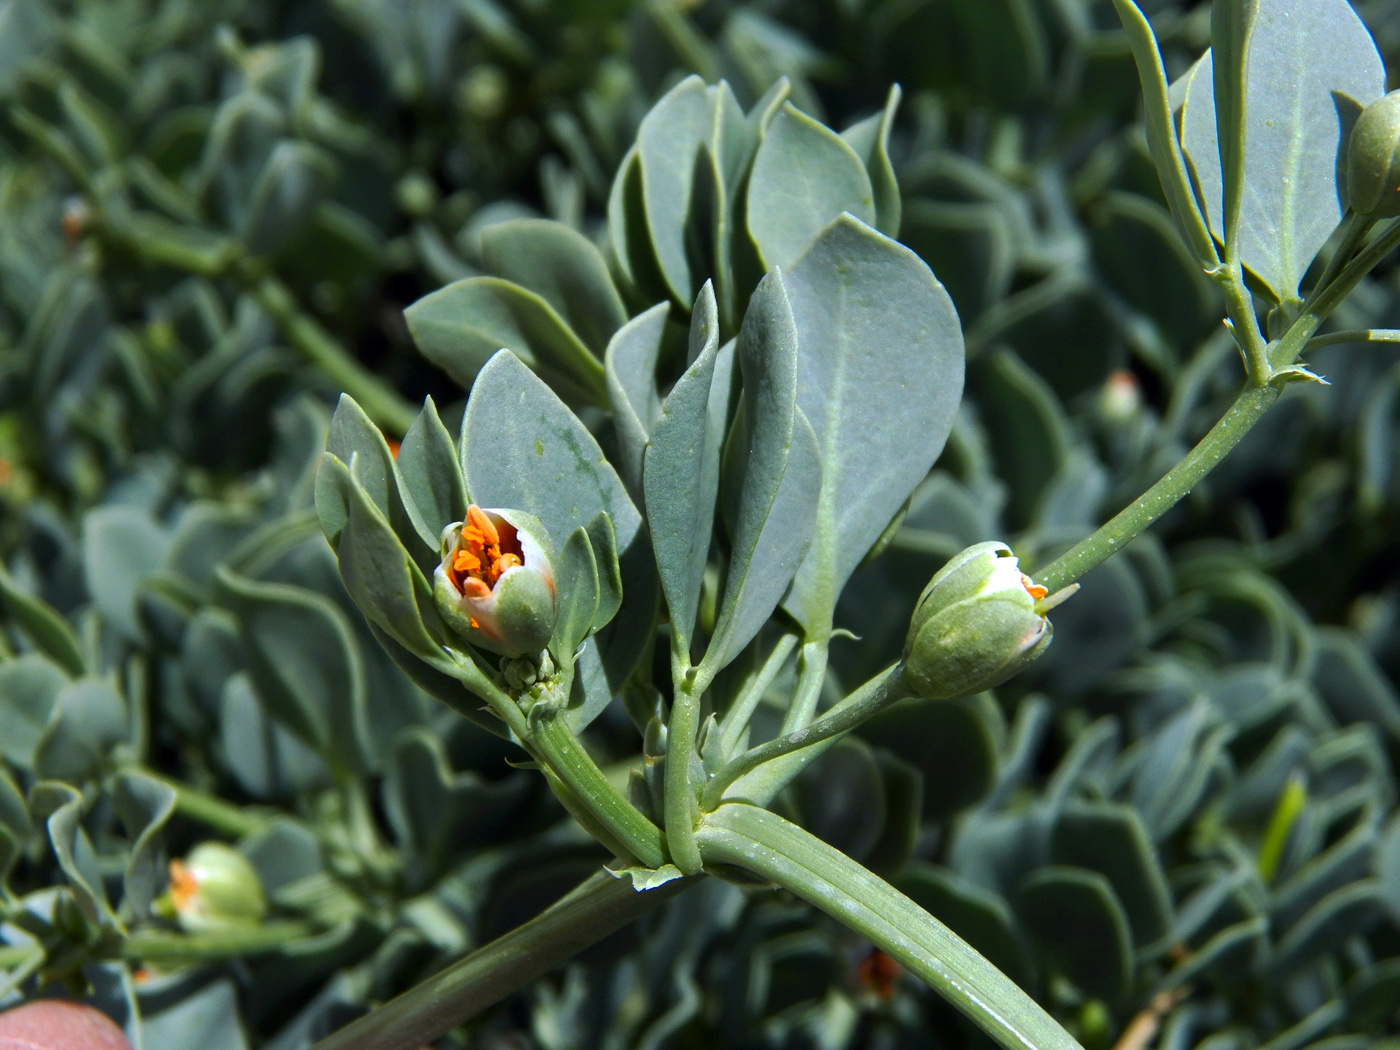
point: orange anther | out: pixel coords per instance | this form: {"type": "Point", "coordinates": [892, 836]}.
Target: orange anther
{"type": "Point", "coordinates": [183, 885]}
{"type": "Point", "coordinates": [474, 588]}
{"type": "Point", "coordinates": [1035, 590]}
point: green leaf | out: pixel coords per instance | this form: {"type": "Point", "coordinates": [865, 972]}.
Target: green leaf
{"type": "Point", "coordinates": [576, 582]}
{"type": "Point", "coordinates": [1080, 928]}
{"type": "Point", "coordinates": [1299, 104]}
{"type": "Point", "coordinates": [604, 543]}
{"type": "Point", "coordinates": [870, 139]}
{"type": "Point", "coordinates": [208, 1019]}
{"type": "Point", "coordinates": [122, 547]}
{"type": "Point", "coordinates": [42, 624]}
{"type": "Point", "coordinates": [1231, 23]}
{"type": "Point", "coordinates": [562, 267]}
{"type": "Point", "coordinates": [144, 805]}
{"type": "Point", "coordinates": [284, 198]}
{"type": "Point", "coordinates": [461, 326]}
{"type": "Point", "coordinates": [1162, 139]}
{"type": "Point", "coordinates": [631, 375]}
{"type": "Point", "coordinates": [840, 798]}
{"type": "Point", "coordinates": [353, 436]}
{"type": "Point", "coordinates": [771, 516]}
{"type": "Point", "coordinates": [431, 473]}
{"type": "Point", "coordinates": [628, 235]}
{"type": "Point", "coordinates": [305, 664]}
{"type": "Point", "coordinates": [434, 809]}
{"type": "Point", "coordinates": [681, 475]}
{"type": "Point", "coordinates": [28, 706]}
{"type": "Point", "coordinates": [971, 244]}
{"type": "Point", "coordinates": [804, 176]}
{"type": "Point", "coordinates": [61, 807]}
{"type": "Point", "coordinates": [668, 140]}
{"type": "Point", "coordinates": [1112, 841]}
{"type": "Point", "coordinates": [92, 719]}
{"type": "Point", "coordinates": [860, 301]}
{"type": "Point", "coordinates": [950, 742]}
{"type": "Point", "coordinates": [523, 449]}
{"type": "Point", "coordinates": [378, 573]}
{"type": "Point", "coordinates": [266, 759]}
{"type": "Point", "coordinates": [590, 692]}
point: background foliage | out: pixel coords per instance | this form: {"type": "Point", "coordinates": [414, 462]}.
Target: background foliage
{"type": "Point", "coordinates": [212, 215]}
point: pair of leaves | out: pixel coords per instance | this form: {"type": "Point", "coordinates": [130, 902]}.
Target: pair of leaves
{"type": "Point", "coordinates": [551, 301]}
{"type": "Point", "coordinates": [1266, 133]}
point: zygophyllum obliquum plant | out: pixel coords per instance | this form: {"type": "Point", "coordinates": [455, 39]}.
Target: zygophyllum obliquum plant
{"type": "Point", "coordinates": [679, 447]}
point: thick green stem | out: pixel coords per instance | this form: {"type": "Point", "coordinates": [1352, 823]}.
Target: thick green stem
{"type": "Point", "coordinates": [210, 810]}
{"type": "Point", "coordinates": [558, 746]}
{"type": "Point", "coordinates": [763, 842]}
{"type": "Point", "coordinates": [875, 695]}
{"type": "Point", "coordinates": [163, 947]}
{"type": "Point", "coordinates": [682, 810]}
{"type": "Point", "coordinates": [600, 906]}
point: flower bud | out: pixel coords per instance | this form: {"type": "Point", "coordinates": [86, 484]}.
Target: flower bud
{"type": "Point", "coordinates": [1373, 159]}
{"type": "Point", "coordinates": [978, 622]}
{"type": "Point", "coordinates": [495, 586]}
{"type": "Point", "coordinates": [215, 888]}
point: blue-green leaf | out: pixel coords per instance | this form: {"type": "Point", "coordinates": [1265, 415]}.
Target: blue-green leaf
{"type": "Point", "coordinates": [870, 139]}
{"type": "Point", "coordinates": [522, 448]}
{"type": "Point", "coordinates": [461, 326]}
{"type": "Point", "coordinates": [681, 475]}
{"type": "Point", "coordinates": [631, 375]}
{"type": "Point", "coordinates": [804, 175]}
{"type": "Point", "coordinates": [861, 301]}
{"type": "Point", "coordinates": [431, 473]}
{"type": "Point", "coordinates": [564, 268]}
{"type": "Point", "coordinates": [1299, 103]}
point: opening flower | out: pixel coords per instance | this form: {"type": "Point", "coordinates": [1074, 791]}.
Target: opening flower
{"type": "Point", "coordinates": [495, 584]}
{"type": "Point", "coordinates": [215, 887]}
{"type": "Point", "coordinates": [979, 621]}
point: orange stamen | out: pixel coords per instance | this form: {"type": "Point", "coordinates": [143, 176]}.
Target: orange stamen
{"type": "Point", "coordinates": [183, 885]}
{"type": "Point", "coordinates": [478, 562]}
{"type": "Point", "coordinates": [878, 974]}
{"type": "Point", "coordinates": [1035, 590]}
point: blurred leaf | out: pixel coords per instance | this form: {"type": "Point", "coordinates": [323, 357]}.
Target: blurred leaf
{"type": "Point", "coordinates": [1080, 929]}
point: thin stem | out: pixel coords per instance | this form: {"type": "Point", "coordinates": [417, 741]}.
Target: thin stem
{"type": "Point", "coordinates": [875, 695]}
{"type": "Point", "coordinates": [598, 907]}
{"type": "Point", "coordinates": [1244, 322]}
{"type": "Point", "coordinates": [682, 811]}
{"type": "Point", "coordinates": [567, 758]}
{"type": "Point", "coordinates": [1354, 230]}
{"type": "Point", "coordinates": [1327, 298]}
{"type": "Point", "coordinates": [1125, 526]}
{"type": "Point", "coordinates": [165, 947]}
{"type": "Point", "coordinates": [766, 844]}
{"type": "Point", "coordinates": [210, 810]}
{"type": "Point", "coordinates": [732, 726]}
{"type": "Point", "coordinates": [1358, 335]}
{"type": "Point", "coordinates": [809, 685]}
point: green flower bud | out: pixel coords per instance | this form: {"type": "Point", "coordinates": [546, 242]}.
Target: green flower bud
{"type": "Point", "coordinates": [1373, 159]}
{"type": "Point", "coordinates": [215, 888]}
{"type": "Point", "coordinates": [495, 586]}
{"type": "Point", "coordinates": [978, 622]}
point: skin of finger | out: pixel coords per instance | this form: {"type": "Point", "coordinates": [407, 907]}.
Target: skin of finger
{"type": "Point", "coordinates": [55, 1025]}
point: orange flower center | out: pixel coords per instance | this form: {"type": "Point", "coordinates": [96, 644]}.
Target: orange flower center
{"type": "Point", "coordinates": [183, 885]}
{"type": "Point", "coordinates": [483, 553]}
